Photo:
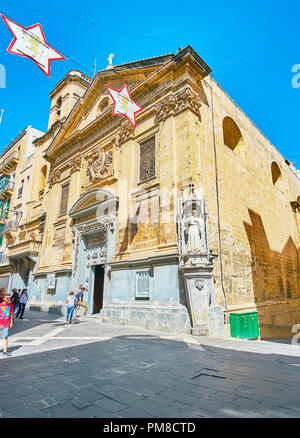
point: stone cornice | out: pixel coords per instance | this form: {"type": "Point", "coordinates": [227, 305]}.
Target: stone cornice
{"type": "Point", "coordinates": [82, 79]}
{"type": "Point", "coordinates": [51, 132]}
{"type": "Point", "coordinates": [162, 259]}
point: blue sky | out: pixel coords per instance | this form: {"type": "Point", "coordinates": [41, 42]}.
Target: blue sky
{"type": "Point", "coordinates": [261, 33]}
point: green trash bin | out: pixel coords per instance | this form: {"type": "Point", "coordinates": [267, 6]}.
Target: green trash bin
{"type": "Point", "coordinates": [244, 325]}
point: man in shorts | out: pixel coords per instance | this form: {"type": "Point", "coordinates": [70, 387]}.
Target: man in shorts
{"type": "Point", "coordinates": [6, 321]}
{"type": "Point", "coordinates": [80, 302]}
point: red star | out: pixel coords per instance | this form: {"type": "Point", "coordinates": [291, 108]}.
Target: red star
{"type": "Point", "coordinates": [30, 42]}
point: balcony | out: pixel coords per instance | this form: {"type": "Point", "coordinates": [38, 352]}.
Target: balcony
{"type": "Point", "coordinates": [24, 247]}
{"type": "Point", "coordinates": [6, 186]}
{"type": "Point", "coordinates": [9, 163]}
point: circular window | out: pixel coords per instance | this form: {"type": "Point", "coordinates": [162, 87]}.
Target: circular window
{"type": "Point", "coordinates": [103, 105]}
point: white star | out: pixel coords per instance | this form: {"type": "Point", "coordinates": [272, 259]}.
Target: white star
{"type": "Point", "coordinates": [123, 104]}
{"type": "Point", "coordinates": [31, 43]}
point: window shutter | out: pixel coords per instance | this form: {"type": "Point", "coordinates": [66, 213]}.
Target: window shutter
{"type": "Point", "coordinates": [147, 159]}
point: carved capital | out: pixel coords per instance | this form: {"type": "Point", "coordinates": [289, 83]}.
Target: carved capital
{"type": "Point", "coordinates": [165, 108]}
{"type": "Point", "coordinates": [75, 164]}
{"type": "Point", "coordinates": [187, 98]}
{"type": "Point", "coordinates": [174, 103]}
{"type": "Point", "coordinates": [54, 177]}
{"type": "Point", "coordinates": [125, 133]}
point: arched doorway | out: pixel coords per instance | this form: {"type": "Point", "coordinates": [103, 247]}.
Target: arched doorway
{"type": "Point", "coordinates": [94, 216]}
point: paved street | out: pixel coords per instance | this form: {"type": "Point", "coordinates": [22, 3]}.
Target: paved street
{"type": "Point", "coordinates": [98, 370]}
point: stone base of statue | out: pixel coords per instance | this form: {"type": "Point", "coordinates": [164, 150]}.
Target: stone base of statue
{"type": "Point", "coordinates": [207, 318]}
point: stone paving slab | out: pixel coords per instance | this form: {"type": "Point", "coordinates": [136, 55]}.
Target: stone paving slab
{"type": "Point", "coordinates": [99, 370]}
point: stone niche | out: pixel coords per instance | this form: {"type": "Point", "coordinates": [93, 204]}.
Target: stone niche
{"type": "Point", "coordinates": [196, 267]}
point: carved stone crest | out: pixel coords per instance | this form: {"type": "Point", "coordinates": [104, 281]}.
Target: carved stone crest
{"type": "Point", "coordinates": [199, 284]}
{"type": "Point", "coordinates": [98, 165]}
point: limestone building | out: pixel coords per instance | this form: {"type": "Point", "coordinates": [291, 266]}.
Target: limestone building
{"type": "Point", "coordinates": [192, 215]}
{"type": "Point", "coordinates": [16, 183]}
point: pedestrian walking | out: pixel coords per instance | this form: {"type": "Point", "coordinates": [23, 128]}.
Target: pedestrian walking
{"type": "Point", "coordinates": [14, 299]}
{"type": "Point", "coordinates": [71, 305]}
{"type": "Point", "coordinates": [6, 320]}
{"type": "Point", "coordinates": [80, 302]}
{"type": "Point", "coordinates": [22, 303]}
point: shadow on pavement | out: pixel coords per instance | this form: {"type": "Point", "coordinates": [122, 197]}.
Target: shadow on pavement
{"type": "Point", "coordinates": [133, 376]}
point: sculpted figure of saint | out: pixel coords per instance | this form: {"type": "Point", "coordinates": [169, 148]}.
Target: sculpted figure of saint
{"type": "Point", "coordinates": [194, 233]}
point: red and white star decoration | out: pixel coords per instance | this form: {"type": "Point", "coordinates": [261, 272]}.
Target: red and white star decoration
{"type": "Point", "coordinates": [123, 104]}
{"type": "Point", "coordinates": [31, 43]}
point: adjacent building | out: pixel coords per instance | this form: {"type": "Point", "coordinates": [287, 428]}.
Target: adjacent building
{"type": "Point", "coordinates": [172, 225]}
{"type": "Point", "coordinates": [16, 181]}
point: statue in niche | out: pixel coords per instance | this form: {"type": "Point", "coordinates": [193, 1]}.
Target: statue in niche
{"type": "Point", "coordinates": [193, 225]}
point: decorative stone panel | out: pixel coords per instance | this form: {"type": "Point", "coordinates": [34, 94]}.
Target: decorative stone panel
{"type": "Point", "coordinates": [98, 165]}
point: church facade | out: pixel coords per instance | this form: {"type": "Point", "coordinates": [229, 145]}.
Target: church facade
{"type": "Point", "coordinates": [171, 225]}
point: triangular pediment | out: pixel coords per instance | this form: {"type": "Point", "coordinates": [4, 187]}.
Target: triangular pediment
{"type": "Point", "coordinates": [96, 101]}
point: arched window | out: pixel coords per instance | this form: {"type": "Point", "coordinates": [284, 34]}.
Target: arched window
{"type": "Point", "coordinates": [103, 105]}
{"type": "Point", "coordinates": [58, 106]}
{"type": "Point", "coordinates": [276, 173]}
{"type": "Point", "coordinates": [231, 133]}
{"type": "Point", "coordinates": [43, 177]}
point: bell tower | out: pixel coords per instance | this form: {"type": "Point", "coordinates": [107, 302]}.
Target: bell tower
{"type": "Point", "coordinates": [65, 95]}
